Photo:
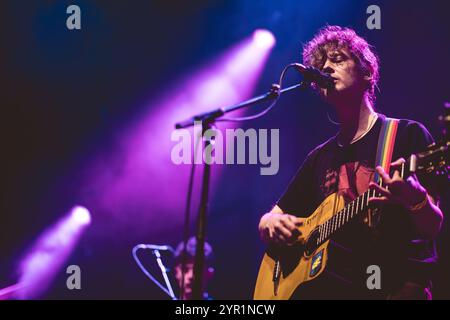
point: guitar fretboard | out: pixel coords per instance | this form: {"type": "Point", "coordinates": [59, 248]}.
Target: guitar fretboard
{"type": "Point", "coordinates": [337, 221]}
{"type": "Point", "coordinates": [351, 210]}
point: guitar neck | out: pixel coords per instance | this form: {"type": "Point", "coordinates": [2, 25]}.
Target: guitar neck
{"type": "Point", "coordinates": [354, 208]}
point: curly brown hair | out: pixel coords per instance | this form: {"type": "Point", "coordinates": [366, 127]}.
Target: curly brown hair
{"type": "Point", "coordinates": [335, 38]}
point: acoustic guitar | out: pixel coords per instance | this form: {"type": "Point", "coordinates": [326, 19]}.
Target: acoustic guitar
{"type": "Point", "coordinates": [282, 270]}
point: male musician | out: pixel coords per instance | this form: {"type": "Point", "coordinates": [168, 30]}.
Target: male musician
{"type": "Point", "coordinates": [188, 280]}
{"type": "Point", "coordinates": [402, 243]}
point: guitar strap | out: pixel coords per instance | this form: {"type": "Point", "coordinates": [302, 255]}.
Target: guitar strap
{"type": "Point", "coordinates": [386, 143]}
{"type": "Point", "coordinates": [385, 149]}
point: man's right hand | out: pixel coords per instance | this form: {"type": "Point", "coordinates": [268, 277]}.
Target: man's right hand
{"type": "Point", "coordinates": [279, 228]}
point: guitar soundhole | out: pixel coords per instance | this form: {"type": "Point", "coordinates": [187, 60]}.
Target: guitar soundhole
{"type": "Point", "coordinates": [312, 242]}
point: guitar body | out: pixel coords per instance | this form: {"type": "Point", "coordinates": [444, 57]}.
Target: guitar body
{"type": "Point", "coordinates": [298, 263]}
{"type": "Point", "coordinates": [307, 259]}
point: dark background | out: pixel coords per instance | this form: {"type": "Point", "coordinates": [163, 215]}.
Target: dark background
{"type": "Point", "coordinates": [66, 96]}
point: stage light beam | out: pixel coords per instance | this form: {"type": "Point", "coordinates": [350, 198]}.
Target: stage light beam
{"type": "Point", "coordinates": [137, 182]}
{"type": "Point", "coordinates": [263, 38]}
{"type": "Point", "coordinates": [81, 216]}
{"type": "Point", "coordinates": [47, 256]}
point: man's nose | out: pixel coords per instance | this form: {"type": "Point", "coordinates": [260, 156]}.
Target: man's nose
{"type": "Point", "coordinates": [327, 67]}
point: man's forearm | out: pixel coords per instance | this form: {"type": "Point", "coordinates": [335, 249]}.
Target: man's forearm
{"type": "Point", "coordinates": [428, 220]}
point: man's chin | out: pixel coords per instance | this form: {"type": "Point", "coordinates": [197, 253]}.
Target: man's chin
{"type": "Point", "coordinates": [337, 93]}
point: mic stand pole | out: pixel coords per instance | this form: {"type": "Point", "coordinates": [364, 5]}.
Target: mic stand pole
{"type": "Point", "coordinates": [207, 119]}
{"type": "Point", "coordinates": [197, 287]}
{"type": "Point", "coordinates": [164, 273]}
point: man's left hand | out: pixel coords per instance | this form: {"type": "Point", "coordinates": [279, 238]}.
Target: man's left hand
{"type": "Point", "coordinates": [396, 190]}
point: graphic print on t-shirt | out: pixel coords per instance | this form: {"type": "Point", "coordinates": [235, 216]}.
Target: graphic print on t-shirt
{"type": "Point", "coordinates": [351, 180]}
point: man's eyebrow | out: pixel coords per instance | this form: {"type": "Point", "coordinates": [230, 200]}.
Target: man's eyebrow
{"type": "Point", "coordinates": [335, 53]}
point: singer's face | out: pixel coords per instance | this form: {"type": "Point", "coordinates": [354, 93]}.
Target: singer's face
{"type": "Point", "coordinates": [342, 66]}
{"type": "Point", "coordinates": [189, 278]}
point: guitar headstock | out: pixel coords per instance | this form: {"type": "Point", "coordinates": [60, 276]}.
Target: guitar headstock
{"type": "Point", "coordinates": [433, 161]}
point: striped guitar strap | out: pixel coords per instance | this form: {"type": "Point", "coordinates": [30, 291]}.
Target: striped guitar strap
{"type": "Point", "coordinates": [386, 143]}
{"type": "Point", "coordinates": [385, 149]}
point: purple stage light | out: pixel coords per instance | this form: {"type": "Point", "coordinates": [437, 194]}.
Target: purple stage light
{"type": "Point", "coordinates": [137, 184]}
{"type": "Point", "coordinates": [263, 38]}
{"type": "Point", "coordinates": [51, 250]}
{"type": "Point", "coordinates": [81, 215]}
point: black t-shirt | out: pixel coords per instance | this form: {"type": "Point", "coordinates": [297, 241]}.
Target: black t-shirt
{"type": "Point", "coordinates": [393, 244]}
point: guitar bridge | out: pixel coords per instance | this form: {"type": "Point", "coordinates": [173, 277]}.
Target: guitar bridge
{"type": "Point", "coordinates": [276, 277]}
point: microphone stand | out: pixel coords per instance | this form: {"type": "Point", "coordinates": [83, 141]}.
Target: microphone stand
{"type": "Point", "coordinates": [155, 249]}
{"type": "Point", "coordinates": [208, 119]}
{"type": "Point", "coordinates": [164, 273]}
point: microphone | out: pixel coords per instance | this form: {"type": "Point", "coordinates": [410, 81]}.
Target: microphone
{"type": "Point", "coordinates": [164, 270]}
{"type": "Point", "coordinates": [316, 76]}
{"type": "Point", "coordinates": [154, 247]}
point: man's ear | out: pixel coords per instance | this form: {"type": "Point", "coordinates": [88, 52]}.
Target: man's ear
{"type": "Point", "coordinates": [368, 74]}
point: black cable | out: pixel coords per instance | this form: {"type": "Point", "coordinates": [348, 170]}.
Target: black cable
{"type": "Point", "coordinates": [277, 93]}
{"type": "Point", "coordinates": [187, 214]}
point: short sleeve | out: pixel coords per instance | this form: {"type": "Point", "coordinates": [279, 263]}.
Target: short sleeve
{"type": "Point", "coordinates": [298, 196]}
{"type": "Point", "coordinates": [418, 138]}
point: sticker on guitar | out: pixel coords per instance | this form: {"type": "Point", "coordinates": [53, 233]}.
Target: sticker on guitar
{"type": "Point", "coordinates": [316, 263]}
